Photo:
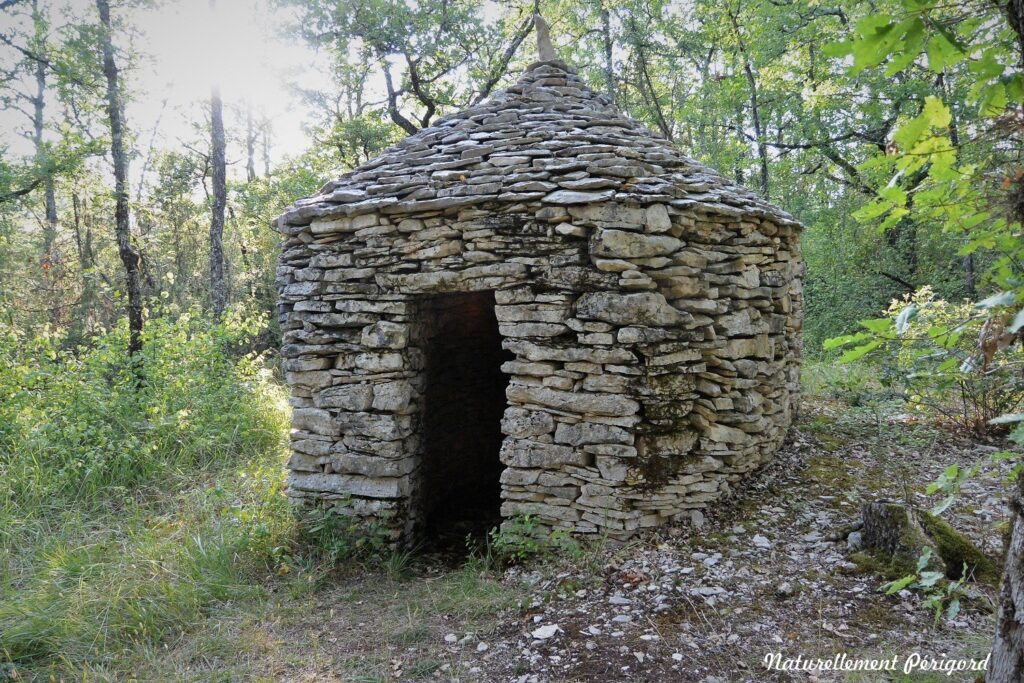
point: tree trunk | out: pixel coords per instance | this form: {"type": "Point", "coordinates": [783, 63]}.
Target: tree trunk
{"type": "Point", "coordinates": [265, 135]}
{"type": "Point", "coordinates": [218, 287]}
{"type": "Point", "coordinates": [970, 284]}
{"type": "Point", "coordinates": [902, 533]}
{"type": "Point", "coordinates": [82, 244]}
{"type": "Point", "coordinates": [755, 111]}
{"type": "Point", "coordinates": [609, 65]}
{"type": "Point", "coordinates": [646, 85]}
{"type": "Point", "coordinates": [51, 258]}
{"type": "Point", "coordinates": [126, 250]}
{"type": "Point", "coordinates": [250, 146]}
{"type": "Point", "coordinates": [894, 530]}
{"type": "Point", "coordinates": [1007, 665]}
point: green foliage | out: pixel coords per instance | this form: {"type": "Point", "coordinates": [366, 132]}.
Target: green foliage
{"type": "Point", "coordinates": [944, 167]}
{"type": "Point", "coordinates": [696, 76]}
{"type": "Point", "coordinates": [330, 534]}
{"type": "Point", "coordinates": [944, 356]}
{"type": "Point", "coordinates": [520, 538]}
{"type": "Point", "coordinates": [949, 483]}
{"type": "Point", "coordinates": [433, 58]}
{"type": "Point", "coordinates": [81, 423]}
{"type": "Point", "coordinates": [92, 588]}
{"type": "Point", "coordinates": [855, 384]}
{"type": "Point", "coordinates": [129, 505]}
{"type": "Point", "coordinates": [940, 594]}
{"type": "Point", "coordinates": [963, 559]}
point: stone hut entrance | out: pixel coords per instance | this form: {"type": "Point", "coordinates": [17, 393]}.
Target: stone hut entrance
{"type": "Point", "coordinates": [649, 311]}
{"type": "Point", "coordinates": [464, 400]}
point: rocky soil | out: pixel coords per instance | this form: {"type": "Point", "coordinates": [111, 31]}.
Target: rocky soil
{"type": "Point", "coordinates": [774, 572]}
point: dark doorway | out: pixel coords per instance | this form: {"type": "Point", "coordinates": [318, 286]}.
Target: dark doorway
{"type": "Point", "coordinates": [463, 405]}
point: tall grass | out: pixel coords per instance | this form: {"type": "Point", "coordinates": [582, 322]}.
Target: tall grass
{"type": "Point", "coordinates": [855, 383]}
{"type": "Point", "coordinates": [132, 500]}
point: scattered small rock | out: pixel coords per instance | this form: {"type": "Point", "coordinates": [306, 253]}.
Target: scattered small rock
{"type": "Point", "coordinates": [785, 590]}
{"type": "Point", "coordinates": [545, 632]}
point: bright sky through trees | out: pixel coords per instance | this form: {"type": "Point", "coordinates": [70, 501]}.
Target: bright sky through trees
{"type": "Point", "coordinates": [185, 48]}
{"type": "Point", "coordinates": [237, 46]}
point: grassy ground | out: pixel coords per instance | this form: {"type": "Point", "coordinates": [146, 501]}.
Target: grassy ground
{"type": "Point", "coordinates": [355, 625]}
{"type": "Point", "coordinates": [195, 571]}
{"type": "Point", "coordinates": [133, 498]}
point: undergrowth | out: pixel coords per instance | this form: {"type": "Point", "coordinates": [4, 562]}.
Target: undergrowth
{"type": "Point", "coordinates": [133, 496]}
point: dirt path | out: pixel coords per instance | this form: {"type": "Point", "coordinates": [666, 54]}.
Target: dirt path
{"type": "Point", "coordinates": [771, 573]}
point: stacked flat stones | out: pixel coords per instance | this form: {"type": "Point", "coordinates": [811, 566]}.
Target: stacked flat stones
{"type": "Point", "coordinates": [654, 310]}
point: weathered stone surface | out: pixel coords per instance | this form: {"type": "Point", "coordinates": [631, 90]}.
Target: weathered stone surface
{"type": "Point", "coordinates": [526, 423]}
{"type": "Point", "coordinates": [371, 487]}
{"type": "Point", "coordinates": [394, 397]}
{"type": "Point", "coordinates": [370, 465]}
{"type": "Point", "coordinates": [354, 397]}
{"type": "Point", "coordinates": [642, 308]}
{"type": "Point", "coordinates": [385, 335]}
{"type": "Point", "coordinates": [378, 426]}
{"type": "Point", "coordinates": [641, 335]}
{"type": "Point", "coordinates": [611, 468]}
{"type": "Point", "coordinates": [658, 219]}
{"type": "Point", "coordinates": [584, 403]}
{"type": "Point", "coordinates": [739, 324]}
{"type": "Point", "coordinates": [376, 362]}
{"type": "Point", "coordinates": [748, 347]}
{"type": "Point", "coordinates": [564, 197]}
{"type": "Point", "coordinates": [535, 352]}
{"type": "Point", "coordinates": [623, 244]}
{"type": "Point", "coordinates": [724, 434]}
{"type": "Point", "coordinates": [589, 432]}
{"type": "Point", "coordinates": [649, 311]}
{"type": "Point", "coordinates": [523, 453]}
{"type": "Point", "coordinates": [680, 442]}
{"type": "Point", "coordinates": [314, 420]}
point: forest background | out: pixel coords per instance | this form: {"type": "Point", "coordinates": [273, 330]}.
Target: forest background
{"type": "Point", "coordinates": [147, 147]}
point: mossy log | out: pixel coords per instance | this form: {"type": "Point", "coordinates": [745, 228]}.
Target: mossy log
{"type": "Point", "coordinates": [901, 532]}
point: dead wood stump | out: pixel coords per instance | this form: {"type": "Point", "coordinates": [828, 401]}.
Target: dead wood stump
{"type": "Point", "coordinates": [900, 533]}
{"type": "Point", "coordinates": [893, 530]}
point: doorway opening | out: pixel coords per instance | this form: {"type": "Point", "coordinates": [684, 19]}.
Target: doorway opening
{"type": "Point", "coordinates": [464, 400]}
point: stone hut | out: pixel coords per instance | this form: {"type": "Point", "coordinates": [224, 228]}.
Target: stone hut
{"type": "Point", "coordinates": [536, 306]}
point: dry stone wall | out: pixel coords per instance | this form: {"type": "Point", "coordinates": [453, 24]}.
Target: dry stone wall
{"type": "Point", "coordinates": [652, 309]}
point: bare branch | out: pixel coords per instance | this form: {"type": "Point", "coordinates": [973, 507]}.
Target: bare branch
{"type": "Point", "coordinates": [396, 116]}
{"type": "Point", "coordinates": [22, 191]}
{"type": "Point", "coordinates": [502, 66]}
{"type": "Point", "coordinates": [910, 287]}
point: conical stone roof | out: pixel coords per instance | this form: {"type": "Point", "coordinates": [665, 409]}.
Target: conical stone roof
{"type": "Point", "coordinates": [647, 309]}
{"type": "Point", "coordinates": [548, 138]}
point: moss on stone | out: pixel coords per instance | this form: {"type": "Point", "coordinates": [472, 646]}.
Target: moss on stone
{"type": "Point", "coordinates": [655, 471]}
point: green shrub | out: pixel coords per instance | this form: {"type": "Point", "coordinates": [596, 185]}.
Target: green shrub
{"type": "Point", "coordinates": [941, 595]}
{"type": "Point", "coordinates": [81, 425]}
{"type": "Point", "coordinates": [330, 534]}
{"type": "Point", "coordinates": [856, 384]}
{"type": "Point", "coordinates": [132, 499]}
{"type": "Point", "coordinates": [520, 538]}
{"type": "Point", "coordinates": [944, 357]}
